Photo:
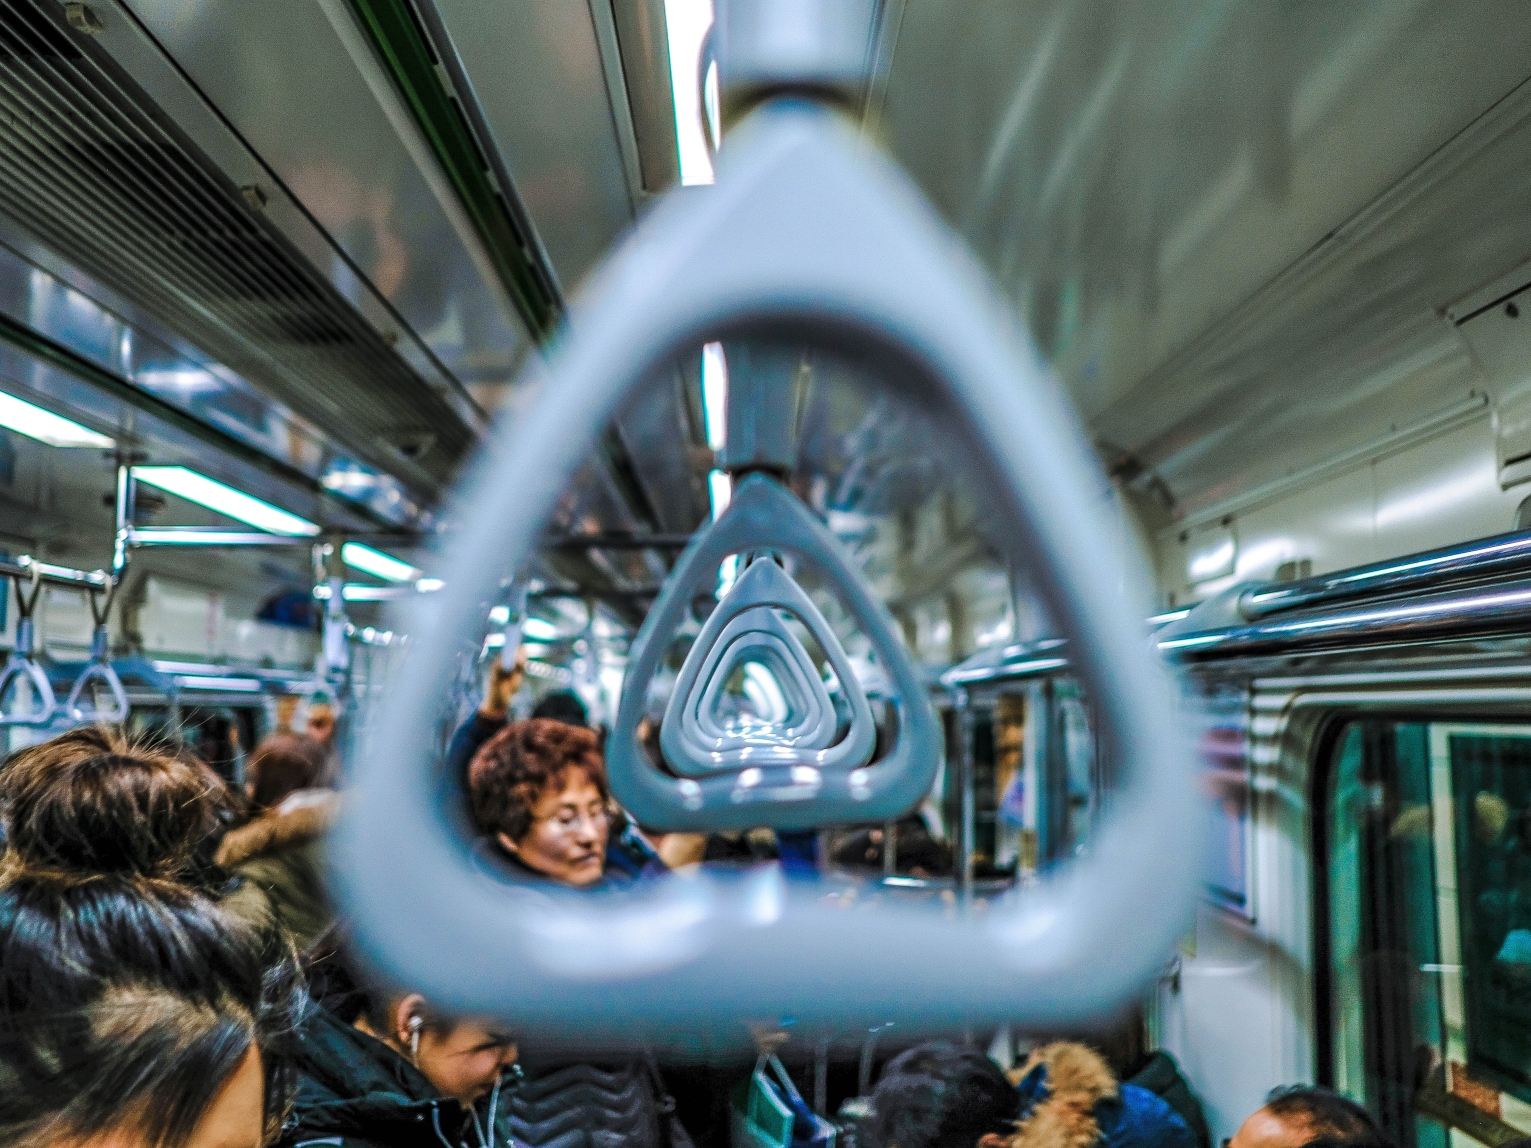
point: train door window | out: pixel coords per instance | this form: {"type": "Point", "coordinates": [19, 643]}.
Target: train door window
{"type": "Point", "coordinates": [1428, 885]}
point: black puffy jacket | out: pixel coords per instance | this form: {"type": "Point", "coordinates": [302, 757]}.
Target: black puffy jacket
{"type": "Point", "coordinates": [590, 1104]}
{"type": "Point", "coordinates": [356, 1092]}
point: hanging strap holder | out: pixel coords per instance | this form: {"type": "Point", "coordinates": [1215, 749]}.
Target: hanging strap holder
{"type": "Point", "coordinates": [22, 663]}
{"type": "Point", "coordinates": [100, 667]}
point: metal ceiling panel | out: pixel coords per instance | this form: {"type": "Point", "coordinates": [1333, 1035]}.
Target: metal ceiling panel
{"type": "Point", "coordinates": [297, 80]}
{"type": "Point", "coordinates": [90, 166]}
{"type": "Point", "coordinates": [540, 78]}
{"type": "Point", "coordinates": [1139, 176]}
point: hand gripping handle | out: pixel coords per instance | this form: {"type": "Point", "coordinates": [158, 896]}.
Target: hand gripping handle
{"type": "Point", "coordinates": [811, 237]}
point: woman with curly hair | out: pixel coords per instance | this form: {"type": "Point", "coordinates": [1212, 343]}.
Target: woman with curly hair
{"type": "Point", "coordinates": [539, 798]}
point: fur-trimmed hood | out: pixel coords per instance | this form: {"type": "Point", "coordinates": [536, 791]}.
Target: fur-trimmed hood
{"type": "Point", "coordinates": [1070, 1099]}
{"type": "Point", "coordinates": [1061, 1084]}
{"type": "Point", "coordinates": [284, 827]}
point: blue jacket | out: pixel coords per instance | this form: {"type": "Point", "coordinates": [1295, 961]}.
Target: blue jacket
{"type": "Point", "coordinates": [1064, 1081]}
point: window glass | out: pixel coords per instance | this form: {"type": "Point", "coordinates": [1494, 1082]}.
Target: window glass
{"type": "Point", "coordinates": [1428, 839]}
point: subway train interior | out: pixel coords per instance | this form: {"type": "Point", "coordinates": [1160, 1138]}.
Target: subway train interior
{"type": "Point", "coordinates": [1033, 498]}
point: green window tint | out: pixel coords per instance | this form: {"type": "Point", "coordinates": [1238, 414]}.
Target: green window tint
{"type": "Point", "coordinates": [1492, 777]}
{"type": "Point", "coordinates": [1427, 840]}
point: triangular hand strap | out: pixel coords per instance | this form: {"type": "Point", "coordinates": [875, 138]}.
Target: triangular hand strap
{"type": "Point", "coordinates": [799, 793]}
{"type": "Point", "coordinates": [743, 620]}
{"type": "Point", "coordinates": [760, 635]}
{"type": "Point", "coordinates": [22, 664]}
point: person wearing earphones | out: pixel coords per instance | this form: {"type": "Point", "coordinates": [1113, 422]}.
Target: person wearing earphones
{"type": "Point", "coordinates": [381, 1069]}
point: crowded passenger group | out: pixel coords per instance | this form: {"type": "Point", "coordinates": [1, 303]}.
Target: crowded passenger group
{"type": "Point", "coordinates": [173, 974]}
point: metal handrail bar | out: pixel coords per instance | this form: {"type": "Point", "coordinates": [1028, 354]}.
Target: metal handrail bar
{"type": "Point", "coordinates": [1464, 612]}
{"type": "Point", "coordinates": [82, 580]}
{"type": "Point", "coordinates": [1484, 558]}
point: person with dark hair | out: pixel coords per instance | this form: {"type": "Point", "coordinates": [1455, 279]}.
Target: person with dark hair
{"type": "Point", "coordinates": [564, 706]}
{"type": "Point", "coordinates": [96, 801]}
{"type": "Point", "coordinates": [134, 1012]}
{"type": "Point", "coordinates": [278, 852]}
{"type": "Point", "coordinates": [939, 1096]}
{"type": "Point", "coordinates": [1299, 1115]}
{"type": "Point", "coordinates": [379, 1069]}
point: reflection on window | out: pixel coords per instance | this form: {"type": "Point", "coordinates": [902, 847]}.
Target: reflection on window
{"type": "Point", "coordinates": [1429, 929]}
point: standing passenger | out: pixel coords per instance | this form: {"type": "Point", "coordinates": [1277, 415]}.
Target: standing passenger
{"type": "Point", "coordinates": [1298, 1115]}
{"type": "Point", "coordinates": [134, 1013]}
{"type": "Point", "coordinates": [384, 1070]}
{"type": "Point", "coordinates": [279, 851]}
{"type": "Point", "coordinates": [539, 797]}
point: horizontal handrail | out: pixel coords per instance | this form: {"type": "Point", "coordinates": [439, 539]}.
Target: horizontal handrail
{"type": "Point", "coordinates": [1485, 558]}
{"type": "Point", "coordinates": [1467, 612]}
{"type": "Point", "coordinates": [26, 566]}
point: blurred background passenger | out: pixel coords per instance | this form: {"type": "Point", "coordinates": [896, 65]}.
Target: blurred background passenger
{"type": "Point", "coordinates": [321, 727]}
{"type": "Point", "coordinates": [939, 1096]}
{"type": "Point", "coordinates": [564, 706]}
{"type": "Point", "coordinates": [279, 851]}
{"type": "Point", "coordinates": [381, 1069]}
{"type": "Point", "coordinates": [1299, 1115]}
{"type": "Point", "coordinates": [134, 1013]}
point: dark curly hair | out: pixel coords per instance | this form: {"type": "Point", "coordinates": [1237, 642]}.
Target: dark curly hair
{"type": "Point", "coordinates": [521, 763]}
{"type": "Point", "coordinates": [126, 1003]}
{"type": "Point", "coordinates": [96, 801]}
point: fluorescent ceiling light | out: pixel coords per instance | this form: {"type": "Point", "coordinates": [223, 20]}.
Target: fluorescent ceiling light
{"type": "Point", "coordinates": [715, 395]}
{"type": "Point", "coordinates": [45, 426]}
{"type": "Point", "coordinates": [720, 488]}
{"type": "Point", "coordinates": [539, 628]}
{"type": "Point", "coordinates": [384, 566]}
{"type": "Point", "coordinates": [198, 488]}
{"type": "Point", "coordinates": [686, 24]}
{"type": "Point", "coordinates": [429, 585]}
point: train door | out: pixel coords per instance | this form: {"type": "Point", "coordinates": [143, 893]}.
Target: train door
{"type": "Point", "coordinates": [1424, 987]}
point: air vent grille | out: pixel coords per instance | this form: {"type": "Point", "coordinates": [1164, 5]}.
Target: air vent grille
{"type": "Point", "coordinates": [92, 168]}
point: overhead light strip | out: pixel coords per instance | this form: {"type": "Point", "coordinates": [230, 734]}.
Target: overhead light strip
{"type": "Point", "coordinates": [43, 425]}
{"type": "Point", "coordinates": [188, 484]}
{"type": "Point", "coordinates": [375, 562]}
{"type": "Point", "coordinates": [686, 25]}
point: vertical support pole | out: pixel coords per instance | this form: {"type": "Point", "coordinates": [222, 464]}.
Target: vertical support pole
{"type": "Point", "coordinates": [123, 518]}
{"type": "Point", "coordinates": [821, 1076]}
{"type": "Point", "coordinates": [1053, 816]}
{"type": "Point", "coordinates": [966, 821]}
{"type": "Point", "coordinates": [889, 848]}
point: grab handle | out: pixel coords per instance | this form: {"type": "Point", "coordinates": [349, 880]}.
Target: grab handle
{"type": "Point", "coordinates": [99, 668]}
{"type": "Point", "coordinates": [810, 791]}
{"type": "Point", "coordinates": [22, 665]}
{"type": "Point", "coordinates": [811, 236]}
{"type": "Point", "coordinates": [691, 748]}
